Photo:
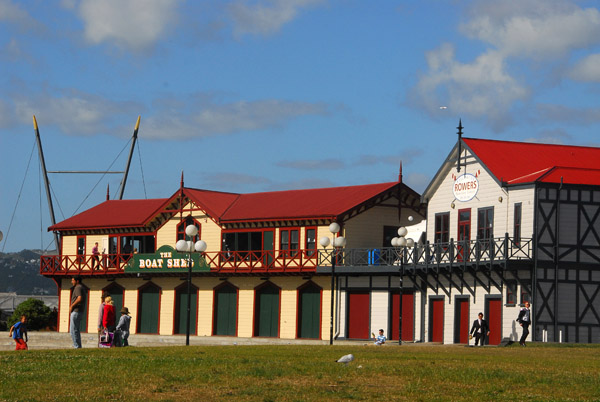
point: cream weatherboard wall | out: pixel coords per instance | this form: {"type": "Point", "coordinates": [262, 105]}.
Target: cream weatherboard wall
{"type": "Point", "coordinates": [489, 194]}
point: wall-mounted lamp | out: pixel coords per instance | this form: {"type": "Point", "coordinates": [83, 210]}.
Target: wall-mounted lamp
{"type": "Point", "coordinates": [500, 198]}
{"type": "Point", "coordinates": [452, 205]}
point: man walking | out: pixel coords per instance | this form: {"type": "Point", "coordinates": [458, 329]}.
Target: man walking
{"type": "Point", "coordinates": [481, 329]}
{"type": "Point", "coordinates": [524, 319]}
{"type": "Point", "coordinates": [76, 310]}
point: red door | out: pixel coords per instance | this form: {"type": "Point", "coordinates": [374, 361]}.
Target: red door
{"type": "Point", "coordinates": [464, 234]}
{"type": "Point", "coordinates": [408, 316]}
{"type": "Point", "coordinates": [462, 321]}
{"type": "Point", "coordinates": [436, 320]}
{"type": "Point", "coordinates": [494, 318]}
{"type": "Point", "coordinates": [359, 306]}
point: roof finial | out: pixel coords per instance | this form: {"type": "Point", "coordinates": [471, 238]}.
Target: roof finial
{"type": "Point", "coordinates": [400, 173]}
{"type": "Point", "coordinates": [108, 192]}
{"type": "Point", "coordinates": [460, 133]}
{"type": "Point", "coordinates": [182, 179]}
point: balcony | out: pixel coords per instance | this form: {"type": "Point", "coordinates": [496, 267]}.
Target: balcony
{"type": "Point", "coordinates": [452, 255]}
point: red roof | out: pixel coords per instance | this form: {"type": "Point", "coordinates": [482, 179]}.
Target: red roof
{"type": "Point", "coordinates": [522, 162]}
{"type": "Point", "coordinates": [302, 204]}
{"type": "Point", "coordinates": [113, 213]}
{"type": "Point", "coordinates": [231, 207]}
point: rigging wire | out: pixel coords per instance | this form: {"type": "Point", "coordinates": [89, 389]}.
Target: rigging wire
{"type": "Point", "coordinates": [18, 198]}
{"type": "Point", "coordinates": [142, 169]}
{"type": "Point", "coordinates": [100, 179]}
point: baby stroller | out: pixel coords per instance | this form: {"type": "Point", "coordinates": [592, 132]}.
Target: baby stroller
{"type": "Point", "coordinates": [107, 339]}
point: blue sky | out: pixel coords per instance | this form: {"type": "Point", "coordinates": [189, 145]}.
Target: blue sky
{"type": "Point", "coordinates": [250, 96]}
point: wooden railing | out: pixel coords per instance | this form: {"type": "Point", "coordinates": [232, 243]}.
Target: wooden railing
{"type": "Point", "coordinates": [451, 254]}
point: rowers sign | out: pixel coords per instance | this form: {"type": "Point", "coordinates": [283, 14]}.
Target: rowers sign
{"type": "Point", "coordinates": [465, 187]}
{"type": "Point", "coordinates": [166, 259]}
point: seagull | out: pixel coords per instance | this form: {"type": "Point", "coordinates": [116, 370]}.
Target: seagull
{"type": "Point", "coordinates": [443, 107]}
{"type": "Point", "coordinates": [345, 359]}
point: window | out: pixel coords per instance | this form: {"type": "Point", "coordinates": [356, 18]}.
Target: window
{"type": "Point", "coordinates": [517, 228]}
{"type": "Point", "coordinates": [242, 244]}
{"type": "Point", "coordinates": [80, 249]}
{"type": "Point", "coordinates": [310, 241]}
{"type": "Point", "coordinates": [289, 242]}
{"type": "Point", "coordinates": [485, 223]}
{"type": "Point", "coordinates": [389, 232]}
{"type": "Point", "coordinates": [185, 223]}
{"type": "Point", "coordinates": [525, 296]}
{"type": "Point", "coordinates": [511, 293]}
{"type": "Point", "coordinates": [442, 227]}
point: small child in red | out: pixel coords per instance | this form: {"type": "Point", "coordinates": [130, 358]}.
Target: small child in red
{"type": "Point", "coordinates": [18, 331]}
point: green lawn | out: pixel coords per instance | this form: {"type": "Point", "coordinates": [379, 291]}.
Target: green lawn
{"type": "Point", "coordinates": [299, 373]}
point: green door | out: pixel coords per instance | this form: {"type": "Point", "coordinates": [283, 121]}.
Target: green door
{"type": "Point", "coordinates": [225, 310]}
{"type": "Point", "coordinates": [181, 310]}
{"type": "Point", "coordinates": [267, 312]}
{"type": "Point", "coordinates": [268, 247]}
{"type": "Point", "coordinates": [149, 310]}
{"type": "Point", "coordinates": [309, 314]}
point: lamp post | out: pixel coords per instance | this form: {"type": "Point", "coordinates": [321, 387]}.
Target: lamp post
{"type": "Point", "coordinates": [336, 242]}
{"type": "Point", "coordinates": [401, 241]}
{"type": "Point", "coordinates": [188, 246]}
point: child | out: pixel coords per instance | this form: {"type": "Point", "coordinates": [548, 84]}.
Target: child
{"type": "Point", "coordinates": [380, 339]}
{"type": "Point", "coordinates": [123, 326]}
{"type": "Point", "coordinates": [17, 332]}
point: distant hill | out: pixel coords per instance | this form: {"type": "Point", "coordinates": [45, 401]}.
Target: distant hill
{"type": "Point", "coordinates": [20, 273]}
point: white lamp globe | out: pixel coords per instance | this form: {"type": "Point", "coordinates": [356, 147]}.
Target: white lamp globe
{"type": "Point", "coordinates": [410, 218]}
{"type": "Point", "coordinates": [401, 242]}
{"type": "Point", "coordinates": [200, 246]}
{"type": "Point", "coordinates": [402, 231]}
{"type": "Point", "coordinates": [324, 241]}
{"type": "Point", "coordinates": [410, 242]}
{"type": "Point", "coordinates": [395, 242]}
{"type": "Point", "coordinates": [191, 230]}
{"type": "Point", "coordinates": [334, 227]}
{"type": "Point", "coordinates": [340, 242]}
{"type": "Point", "coordinates": [181, 246]}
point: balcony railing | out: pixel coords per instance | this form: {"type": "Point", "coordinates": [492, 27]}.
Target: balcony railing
{"type": "Point", "coordinates": [451, 254]}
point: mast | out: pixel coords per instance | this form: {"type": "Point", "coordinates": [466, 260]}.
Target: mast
{"type": "Point", "coordinates": [46, 182]}
{"type": "Point", "coordinates": [460, 133]}
{"type": "Point", "coordinates": [134, 140]}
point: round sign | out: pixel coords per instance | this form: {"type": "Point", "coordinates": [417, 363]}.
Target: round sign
{"type": "Point", "coordinates": [465, 187]}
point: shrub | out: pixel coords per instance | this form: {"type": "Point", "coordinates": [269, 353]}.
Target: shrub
{"type": "Point", "coordinates": [39, 316]}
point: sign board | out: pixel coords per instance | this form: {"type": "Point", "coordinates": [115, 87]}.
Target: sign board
{"type": "Point", "coordinates": [465, 187]}
{"type": "Point", "coordinates": [166, 259]}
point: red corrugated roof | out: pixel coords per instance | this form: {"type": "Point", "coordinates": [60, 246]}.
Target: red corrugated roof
{"type": "Point", "coordinates": [113, 213]}
{"type": "Point", "coordinates": [231, 207]}
{"type": "Point", "coordinates": [302, 204]}
{"type": "Point", "coordinates": [522, 162]}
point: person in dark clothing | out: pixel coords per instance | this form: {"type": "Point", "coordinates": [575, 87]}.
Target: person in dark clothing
{"type": "Point", "coordinates": [524, 319]}
{"type": "Point", "coordinates": [480, 329]}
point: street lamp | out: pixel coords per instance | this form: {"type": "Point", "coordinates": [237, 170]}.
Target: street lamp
{"type": "Point", "coordinates": [189, 246]}
{"type": "Point", "coordinates": [401, 241]}
{"type": "Point", "coordinates": [340, 241]}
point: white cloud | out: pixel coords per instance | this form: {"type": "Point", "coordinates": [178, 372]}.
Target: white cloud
{"type": "Point", "coordinates": [538, 29]}
{"type": "Point", "coordinates": [13, 13]}
{"type": "Point", "coordinates": [561, 113]}
{"type": "Point", "coordinates": [208, 119]}
{"type": "Point", "coordinates": [587, 70]}
{"type": "Point", "coordinates": [481, 89]}
{"type": "Point", "coordinates": [130, 24]}
{"type": "Point", "coordinates": [75, 112]}
{"type": "Point", "coordinates": [266, 17]}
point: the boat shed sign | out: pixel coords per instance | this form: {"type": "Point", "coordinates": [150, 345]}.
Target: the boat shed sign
{"type": "Point", "coordinates": [166, 259]}
{"type": "Point", "coordinates": [465, 187]}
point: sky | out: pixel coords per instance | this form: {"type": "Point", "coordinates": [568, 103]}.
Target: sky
{"type": "Point", "coordinates": [250, 96]}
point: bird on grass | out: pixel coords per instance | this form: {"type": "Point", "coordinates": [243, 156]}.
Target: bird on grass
{"type": "Point", "coordinates": [345, 359]}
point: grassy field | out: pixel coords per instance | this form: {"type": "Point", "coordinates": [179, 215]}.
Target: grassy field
{"type": "Point", "coordinates": [301, 373]}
